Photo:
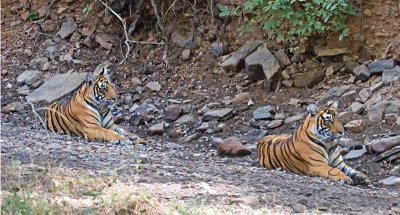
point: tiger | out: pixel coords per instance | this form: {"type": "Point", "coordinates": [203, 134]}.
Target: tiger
{"type": "Point", "coordinates": [312, 149]}
{"type": "Point", "coordinates": [88, 113]}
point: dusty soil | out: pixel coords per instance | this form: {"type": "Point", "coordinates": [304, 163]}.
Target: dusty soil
{"type": "Point", "coordinates": [167, 175]}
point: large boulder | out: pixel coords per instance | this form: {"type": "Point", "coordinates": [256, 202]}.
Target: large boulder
{"type": "Point", "coordinates": [236, 62]}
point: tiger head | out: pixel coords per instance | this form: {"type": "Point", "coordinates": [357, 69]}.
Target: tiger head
{"type": "Point", "coordinates": [327, 125]}
{"type": "Point", "coordinates": [103, 92]}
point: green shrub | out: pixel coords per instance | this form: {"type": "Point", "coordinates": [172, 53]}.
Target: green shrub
{"type": "Point", "coordinates": [292, 20]}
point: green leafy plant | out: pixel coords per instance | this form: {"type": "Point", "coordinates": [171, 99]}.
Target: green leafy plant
{"type": "Point", "coordinates": [225, 11]}
{"type": "Point", "coordinates": [292, 20]}
{"type": "Point", "coordinates": [32, 16]}
{"type": "Point", "coordinates": [86, 10]}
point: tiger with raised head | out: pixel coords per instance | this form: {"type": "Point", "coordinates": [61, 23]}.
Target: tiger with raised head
{"type": "Point", "coordinates": [312, 149]}
{"type": "Point", "coordinates": [88, 113]}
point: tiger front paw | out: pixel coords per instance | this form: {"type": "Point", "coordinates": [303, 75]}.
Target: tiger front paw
{"type": "Point", "coordinates": [360, 178]}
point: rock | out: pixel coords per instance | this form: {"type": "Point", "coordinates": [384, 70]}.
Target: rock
{"type": "Point", "coordinates": [236, 61]}
{"type": "Point", "coordinates": [248, 200]}
{"type": "Point", "coordinates": [384, 144]}
{"type": "Point", "coordinates": [153, 86]}
{"type": "Point", "coordinates": [357, 107]}
{"type": "Point", "coordinates": [38, 62]}
{"type": "Point", "coordinates": [42, 11]}
{"type": "Point", "coordinates": [241, 98]}
{"type": "Point", "coordinates": [355, 126]}
{"type": "Point", "coordinates": [23, 91]}
{"type": "Point", "coordinates": [136, 82]}
{"type": "Point", "coordinates": [204, 126]}
{"type": "Point", "coordinates": [218, 49]}
{"type": "Point", "coordinates": [392, 180]}
{"type": "Point", "coordinates": [295, 118]}
{"type": "Point", "coordinates": [217, 114]}
{"type": "Point", "coordinates": [398, 120]}
{"type": "Point", "coordinates": [25, 16]}
{"type": "Point", "coordinates": [173, 112]}
{"type": "Point", "coordinates": [348, 97]}
{"type": "Point", "coordinates": [374, 88]}
{"type": "Point", "coordinates": [108, 19]}
{"type": "Point", "coordinates": [186, 54]}
{"type": "Point", "coordinates": [354, 154]}
{"type": "Point", "coordinates": [293, 69]}
{"type": "Point", "coordinates": [333, 93]}
{"type": "Point", "coordinates": [350, 66]}
{"type": "Point", "coordinates": [287, 83]}
{"type": "Point", "coordinates": [191, 138]}
{"type": "Point", "coordinates": [46, 66]}
{"type": "Point", "coordinates": [327, 52]}
{"type": "Point", "coordinates": [377, 111]}
{"type": "Point", "coordinates": [282, 58]}
{"type": "Point", "coordinates": [87, 32]}
{"type": "Point", "coordinates": [262, 63]}
{"type": "Point", "coordinates": [390, 75]}
{"type": "Point", "coordinates": [61, 10]}
{"type": "Point", "coordinates": [362, 72]}
{"type": "Point", "coordinates": [395, 170]}
{"type": "Point", "coordinates": [329, 71]}
{"type": "Point", "coordinates": [76, 37]}
{"type": "Point", "coordinates": [265, 112]}
{"type": "Point", "coordinates": [254, 135]}
{"type": "Point", "coordinates": [364, 94]}
{"type": "Point", "coordinates": [232, 147]}
{"type": "Point", "coordinates": [308, 79]}
{"type": "Point", "coordinates": [275, 124]}
{"type": "Point", "coordinates": [376, 98]}
{"type": "Point", "coordinates": [157, 129]}
{"type": "Point", "coordinates": [52, 52]}
{"type": "Point", "coordinates": [103, 42]}
{"type": "Point", "coordinates": [182, 41]}
{"type": "Point", "coordinates": [67, 28]}
{"type": "Point", "coordinates": [285, 74]}
{"type": "Point", "coordinates": [377, 67]}
{"type": "Point", "coordinates": [12, 107]}
{"type": "Point", "coordinates": [186, 119]}
{"type": "Point", "coordinates": [56, 87]}
{"type": "Point", "coordinates": [299, 208]}
{"type": "Point", "coordinates": [28, 77]}
{"type": "Point", "coordinates": [133, 108]}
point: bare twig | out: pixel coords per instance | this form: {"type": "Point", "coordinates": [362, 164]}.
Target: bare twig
{"type": "Point", "coordinates": [160, 26]}
{"type": "Point", "coordinates": [173, 3]}
{"type": "Point", "coordinates": [144, 42]}
{"type": "Point", "coordinates": [48, 13]}
{"type": "Point", "coordinates": [157, 15]}
{"type": "Point", "coordinates": [138, 15]}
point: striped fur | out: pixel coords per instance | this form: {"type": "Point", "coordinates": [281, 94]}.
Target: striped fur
{"type": "Point", "coordinates": [312, 149]}
{"type": "Point", "coordinates": [88, 113]}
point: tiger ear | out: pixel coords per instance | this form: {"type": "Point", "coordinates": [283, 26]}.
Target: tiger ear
{"type": "Point", "coordinates": [312, 109]}
{"type": "Point", "coordinates": [89, 79]}
{"type": "Point", "coordinates": [335, 104]}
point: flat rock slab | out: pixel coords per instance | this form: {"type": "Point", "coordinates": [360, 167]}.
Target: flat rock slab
{"type": "Point", "coordinates": [58, 86]}
{"type": "Point", "coordinates": [392, 180]}
{"type": "Point", "coordinates": [232, 147]}
{"type": "Point", "coordinates": [327, 52]}
{"type": "Point", "coordinates": [384, 144]}
{"type": "Point", "coordinates": [308, 79]}
{"type": "Point", "coordinates": [236, 61]}
{"type": "Point", "coordinates": [390, 75]}
{"type": "Point", "coordinates": [377, 67]}
{"type": "Point", "coordinates": [265, 112]}
{"type": "Point", "coordinates": [217, 114]}
{"type": "Point", "coordinates": [354, 154]}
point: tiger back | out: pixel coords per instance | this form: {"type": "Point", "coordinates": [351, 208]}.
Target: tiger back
{"type": "Point", "coordinates": [88, 113]}
{"type": "Point", "coordinates": [312, 149]}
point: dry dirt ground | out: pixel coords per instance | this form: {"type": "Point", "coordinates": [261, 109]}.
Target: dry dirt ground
{"type": "Point", "coordinates": [49, 173]}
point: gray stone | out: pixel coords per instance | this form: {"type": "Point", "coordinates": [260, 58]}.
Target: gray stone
{"type": "Point", "coordinates": [52, 52]}
{"type": "Point", "coordinates": [327, 52]}
{"type": "Point", "coordinates": [218, 48]}
{"type": "Point", "coordinates": [384, 144]}
{"type": "Point", "coordinates": [362, 72]}
{"type": "Point", "coordinates": [364, 94]}
{"type": "Point", "coordinates": [173, 112]}
{"type": "Point", "coordinates": [182, 41]}
{"type": "Point", "coordinates": [76, 37]}
{"type": "Point", "coordinates": [308, 79]}
{"type": "Point", "coordinates": [157, 129]}
{"type": "Point", "coordinates": [265, 112]}
{"type": "Point", "coordinates": [186, 54]}
{"type": "Point", "coordinates": [38, 62]}
{"type": "Point", "coordinates": [377, 67]}
{"type": "Point", "coordinates": [348, 97]}
{"type": "Point", "coordinates": [58, 86]}
{"type": "Point", "coordinates": [28, 77]}
{"type": "Point", "coordinates": [275, 124]}
{"type": "Point", "coordinates": [350, 66]}
{"type": "Point", "coordinates": [103, 40]}
{"type": "Point", "coordinates": [299, 58]}
{"type": "Point", "coordinates": [376, 98]}
{"type": "Point", "coordinates": [392, 180]}
{"type": "Point", "coordinates": [329, 71]}
{"type": "Point", "coordinates": [146, 108]}
{"type": "Point", "coordinates": [299, 208]}
{"type": "Point", "coordinates": [398, 120]}
{"type": "Point", "coordinates": [12, 107]}
{"type": "Point", "coordinates": [67, 28]}
{"type": "Point", "coordinates": [282, 58]}
{"type": "Point", "coordinates": [293, 69]}
{"type": "Point", "coordinates": [354, 154]}
{"type": "Point", "coordinates": [133, 108]}
{"type": "Point", "coordinates": [236, 61]}
{"type": "Point", "coordinates": [263, 63]}
{"type": "Point", "coordinates": [186, 119]}
{"type": "Point", "coordinates": [247, 200]}
{"type": "Point", "coordinates": [217, 114]}
{"type": "Point", "coordinates": [153, 86]}
{"type": "Point", "coordinates": [379, 110]}
{"type": "Point", "coordinates": [254, 135]}
{"type": "Point", "coordinates": [376, 86]}
{"type": "Point", "coordinates": [355, 126]}
{"type": "Point", "coordinates": [357, 107]}
{"type": "Point", "coordinates": [287, 83]}
{"type": "Point", "coordinates": [23, 91]}
{"type": "Point", "coordinates": [395, 170]}
{"type": "Point", "coordinates": [295, 118]}
{"type": "Point", "coordinates": [390, 75]}
{"type": "Point", "coordinates": [333, 93]}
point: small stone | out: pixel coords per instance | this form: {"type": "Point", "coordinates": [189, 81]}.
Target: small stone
{"type": "Point", "coordinates": [191, 138]}
{"type": "Point", "coordinates": [294, 118]}
{"type": "Point", "coordinates": [308, 79]}
{"type": "Point", "coordinates": [218, 49]}
{"type": "Point", "coordinates": [329, 71]}
{"type": "Point", "coordinates": [357, 107]}
{"type": "Point", "coordinates": [287, 83]}
{"type": "Point", "coordinates": [362, 72]}
{"type": "Point", "coordinates": [12, 107]}
{"type": "Point", "coordinates": [364, 94]}
{"type": "Point", "coordinates": [233, 147]}
{"type": "Point", "coordinates": [38, 62]}
{"type": "Point", "coordinates": [23, 91]}
{"type": "Point", "coordinates": [248, 200]}
{"type": "Point", "coordinates": [52, 52]}
{"type": "Point", "coordinates": [299, 208]}
{"type": "Point", "coordinates": [398, 120]}
{"type": "Point", "coordinates": [61, 10]}
{"type": "Point", "coordinates": [395, 170]}
{"type": "Point", "coordinates": [354, 154]}
{"type": "Point", "coordinates": [367, 12]}
{"type": "Point", "coordinates": [275, 124]}
{"type": "Point", "coordinates": [133, 108]}
{"type": "Point", "coordinates": [377, 67]}
{"type": "Point", "coordinates": [67, 28]}
{"type": "Point", "coordinates": [376, 98]}
{"type": "Point", "coordinates": [153, 86]}
{"type": "Point", "coordinates": [352, 79]}
{"type": "Point", "coordinates": [378, 110]}
{"type": "Point", "coordinates": [42, 11]}
{"type": "Point", "coordinates": [46, 66]}
{"type": "Point", "coordinates": [376, 86]}
{"type": "Point", "coordinates": [282, 58]}
{"type": "Point", "coordinates": [182, 41]}
{"type": "Point", "coordinates": [157, 129]}
{"type": "Point", "coordinates": [392, 180]}
{"type": "Point", "coordinates": [217, 114]}
{"type": "Point", "coordinates": [355, 126]}
{"type": "Point", "coordinates": [327, 52]}
{"type": "Point", "coordinates": [76, 37]}
{"type": "Point", "coordinates": [28, 77]}
{"type": "Point", "coordinates": [349, 66]}
{"type": "Point", "coordinates": [241, 98]}
{"type": "Point", "coordinates": [87, 32]}
{"type": "Point", "coordinates": [285, 74]}
{"type": "Point", "coordinates": [333, 93]}
{"type": "Point", "coordinates": [108, 19]}
{"type": "Point", "coordinates": [186, 54]}
{"type": "Point", "coordinates": [186, 119]}
{"type": "Point", "coordinates": [103, 42]}
{"type": "Point", "coordinates": [25, 16]}
{"type": "Point", "coordinates": [265, 112]}
{"type": "Point", "coordinates": [173, 112]}
{"type": "Point", "coordinates": [390, 75]}
{"type": "Point", "coordinates": [348, 97]}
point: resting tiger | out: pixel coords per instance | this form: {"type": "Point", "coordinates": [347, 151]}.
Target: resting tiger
{"type": "Point", "coordinates": [88, 113]}
{"type": "Point", "coordinates": [312, 149]}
